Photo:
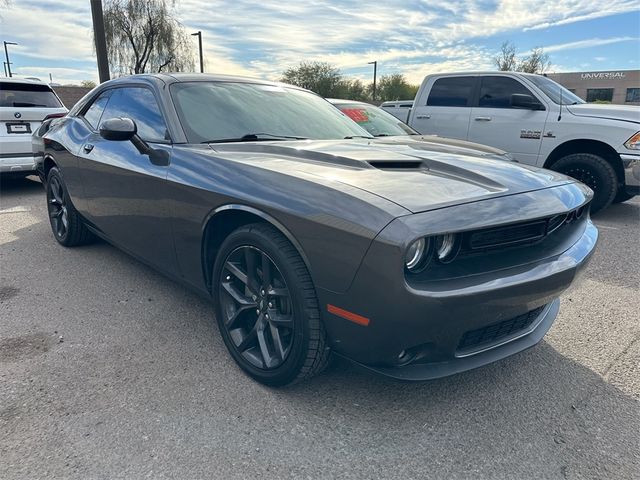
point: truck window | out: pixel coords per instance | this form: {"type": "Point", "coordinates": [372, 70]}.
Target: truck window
{"type": "Point", "coordinates": [495, 92]}
{"type": "Point", "coordinates": [451, 92]}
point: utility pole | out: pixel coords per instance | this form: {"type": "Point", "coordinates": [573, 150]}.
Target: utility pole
{"type": "Point", "coordinates": [199, 35]}
{"type": "Point", "coordinates": [375, 71]}
{"type": "Point", "coordinates": [6, 54]}
{"type": "Point", "coordinates": [100, 40]}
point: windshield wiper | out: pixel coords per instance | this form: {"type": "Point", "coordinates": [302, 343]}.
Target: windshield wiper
{"type": "Point", "coordinates": [383, 135]}
{"type": "Point", "coordinates": [256, 137]}
{"type": "Point", "coordinates": [355, 136]}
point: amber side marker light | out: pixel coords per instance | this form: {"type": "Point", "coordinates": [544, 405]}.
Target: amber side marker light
{"type": "Point", "coordinates": [353, 317]}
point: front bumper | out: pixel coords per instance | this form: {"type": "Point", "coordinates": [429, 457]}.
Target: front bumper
{"type": "Point", "coordinates": [415, 332]}
{"type": "Point", "coordinates": [631, 166]}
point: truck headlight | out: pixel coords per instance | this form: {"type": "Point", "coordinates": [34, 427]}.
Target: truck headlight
{"type": "Point", "coordinates": [634, 142]}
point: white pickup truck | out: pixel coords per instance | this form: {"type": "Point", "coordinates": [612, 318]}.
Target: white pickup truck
{"type": "Point", "coordinates": [540, 123]}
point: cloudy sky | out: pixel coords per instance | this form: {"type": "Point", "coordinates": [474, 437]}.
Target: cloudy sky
{"type": "Point", "coordinates": [414, 37]}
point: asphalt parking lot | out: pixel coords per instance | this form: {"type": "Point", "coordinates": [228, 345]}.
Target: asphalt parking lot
{"type": "Point", "coordinates": [110, 370]}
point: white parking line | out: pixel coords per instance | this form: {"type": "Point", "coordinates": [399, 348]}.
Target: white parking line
{"type": "Point", "coordinates": [18, 209]}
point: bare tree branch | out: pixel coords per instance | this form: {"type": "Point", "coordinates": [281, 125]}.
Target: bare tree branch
{"type": "Point", "coordinates": [144, 36]}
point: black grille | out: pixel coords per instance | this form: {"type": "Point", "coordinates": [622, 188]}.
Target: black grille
{"type": "Point", "coordinates": [495, 237]}
{"type": "Point", "coordinates": [491, 334]}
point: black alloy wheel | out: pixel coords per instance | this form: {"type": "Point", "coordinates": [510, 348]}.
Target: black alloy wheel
{"type": "Point", "coordinates": [595, 172]}
{"type": "Point", "coordinates": [67, 225]}
{"type": "Point", "coordinates": [257, 308]}
{"type": "Point", "coordinates": [57, 206]}
{"type": "Point", "coordinates": [267, 308]}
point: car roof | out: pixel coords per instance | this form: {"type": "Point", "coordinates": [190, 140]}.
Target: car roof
{"type": "Point", "coordinates": [342, 101]}
{"type": "Point", "coordinates": [169, 78]}
{"type": "Point", "coordinates": [28, 81]}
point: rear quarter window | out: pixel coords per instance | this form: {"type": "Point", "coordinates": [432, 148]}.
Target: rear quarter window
{"type": "Point", "coordinates": [25, 95]}
{"type": "Point", "coordinates": [452, 92]}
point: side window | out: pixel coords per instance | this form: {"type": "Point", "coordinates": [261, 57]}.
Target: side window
{"type": "Point", "coordinates": [94, 112]}
{"type": "Point", "coordinates": [495, 92]}
{"type": "Point", "coordinates": [451, 92]}
{"type": "Point", "coordinates": [140, 105]}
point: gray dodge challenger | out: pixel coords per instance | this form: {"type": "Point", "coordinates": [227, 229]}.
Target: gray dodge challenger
{"type": "Point", "coordinates": [310, 236]}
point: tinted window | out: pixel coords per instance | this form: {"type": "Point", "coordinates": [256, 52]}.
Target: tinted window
{"type": "Point", "coordinates": [495, 92]}
{"type": "Point", "coordinates": [25, 95]}
{"type": "Point", "coordinates": [599, 94]}
{"type": "Point", "coordinates": [140, 105]}
{"type": "Point", "coordinates": [215, 111]}
{"type": "Point", "coordinates": [375, 120]}
{"type": "Point", "coordinates": [451, 92]}
{"type": "Point", "coordinates": [94, 112]}
{"type": "Point", "coordinates": [633, 95]}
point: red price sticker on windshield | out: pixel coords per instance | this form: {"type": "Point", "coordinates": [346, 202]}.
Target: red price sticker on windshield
{"type": "Point", "coordinates": [356, 114]}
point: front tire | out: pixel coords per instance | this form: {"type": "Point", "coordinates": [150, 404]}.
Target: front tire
{"type": "Point", "coordinates": [66, 224]}
{"type": "Point", "coordinates": [595, 172]}
{"type": "Point", "coordinates": [266, 307]}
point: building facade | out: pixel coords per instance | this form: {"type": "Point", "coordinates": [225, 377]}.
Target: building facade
{"type": "Point", "coordinates": [619, 86]}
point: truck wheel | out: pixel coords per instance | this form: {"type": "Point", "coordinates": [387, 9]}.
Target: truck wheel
{"type": "Point", "coordinates": [595, 172]}
{"type": "Point", "coordinates": [623, 196]}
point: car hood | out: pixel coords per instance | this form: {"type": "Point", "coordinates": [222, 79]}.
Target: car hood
{"type": "Point", "coordinates": [446, 145]}
{"type": "Point", "coordinates": [626, 113]}
{"type": "Point", "coordinates": [411, 175]}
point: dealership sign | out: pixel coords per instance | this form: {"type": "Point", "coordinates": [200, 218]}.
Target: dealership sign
{"type": "Point", "coordinates": [586, 76]}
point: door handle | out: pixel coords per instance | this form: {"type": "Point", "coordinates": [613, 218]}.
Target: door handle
{"type": "Point", "coordinates": [423, 116]}
{"type": "Point", "coordinates": [483, 119]}
{"type": "Point", "coordinates": [87, 148]}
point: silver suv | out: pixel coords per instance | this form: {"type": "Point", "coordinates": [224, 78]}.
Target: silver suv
{"type": "Point", "coordinates": [24, 105]}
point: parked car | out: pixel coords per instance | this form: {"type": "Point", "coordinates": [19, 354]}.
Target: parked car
{"type": "Point", "coordinates": [24, 105]}
{"type": "Point", "coordinates": [389, 129]}
{"type": "Point", "coordinates": [540, 123]}
{"type": "Point", "coordinates": [399, 109]}
{"type": "Point", "coordinates": [308, 234]}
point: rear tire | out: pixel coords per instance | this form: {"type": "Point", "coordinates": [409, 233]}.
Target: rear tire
{"type": "Point", "coordinates": [595, 172]}
{"type": "Point", "coordinates": [622, 196]}
{"type": "Point", "coordinates": [269, 322]}
{"type": "Point", "coordinates": [66, 224]}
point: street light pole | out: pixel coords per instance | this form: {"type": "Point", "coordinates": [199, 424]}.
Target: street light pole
{"type": "Point", "coordinates": [100, 39]}
{"type": "Point", "coordinates": [375, 71]}
{"type": "Point", "coordinates": [6, 54]}
{"type": "Point", "coordinates": [199, 35]}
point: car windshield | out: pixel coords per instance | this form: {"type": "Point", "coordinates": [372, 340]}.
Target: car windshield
{"type": "Point", "coordinates": [233, 111]}
{"type": "Point", "coordinates": [375, 120]}
{"type": "Point", "coordinates": [553, 90]}
{"type": "Point", "coordinates": [26, 95]}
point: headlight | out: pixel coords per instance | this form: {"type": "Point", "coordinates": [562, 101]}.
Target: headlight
{"type": "Point", "coordinates": [634, 142]}
{"type": "Point", "coordinates": [417, 255]}
{"type": "Point", "coordinates": [447, 247]}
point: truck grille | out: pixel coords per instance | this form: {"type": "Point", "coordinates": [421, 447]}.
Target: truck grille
{"type": "Point", "coordinates": [492, 334]}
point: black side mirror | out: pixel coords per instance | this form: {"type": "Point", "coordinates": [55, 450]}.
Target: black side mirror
{"type": "Point", "coordinates": [522, 100]}
{"type": "Point", "coordinates": [118, 129]}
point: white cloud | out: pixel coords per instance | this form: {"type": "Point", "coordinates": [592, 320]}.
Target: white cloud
{"type": "Point", "coordinates": [590, 43]}
{"type": "Point", "coordinates": [263, 38]}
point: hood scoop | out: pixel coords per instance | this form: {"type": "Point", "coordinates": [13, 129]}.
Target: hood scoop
{"type": "Point", "coordinates": [398, 164]}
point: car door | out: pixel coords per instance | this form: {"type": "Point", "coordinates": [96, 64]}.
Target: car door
{"type": "Point", "coordinates": [125, 191]}
{"type": "Point", "coordinates": [446, 110]}
{"type": "Point", "coordinates": [496, 122]}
